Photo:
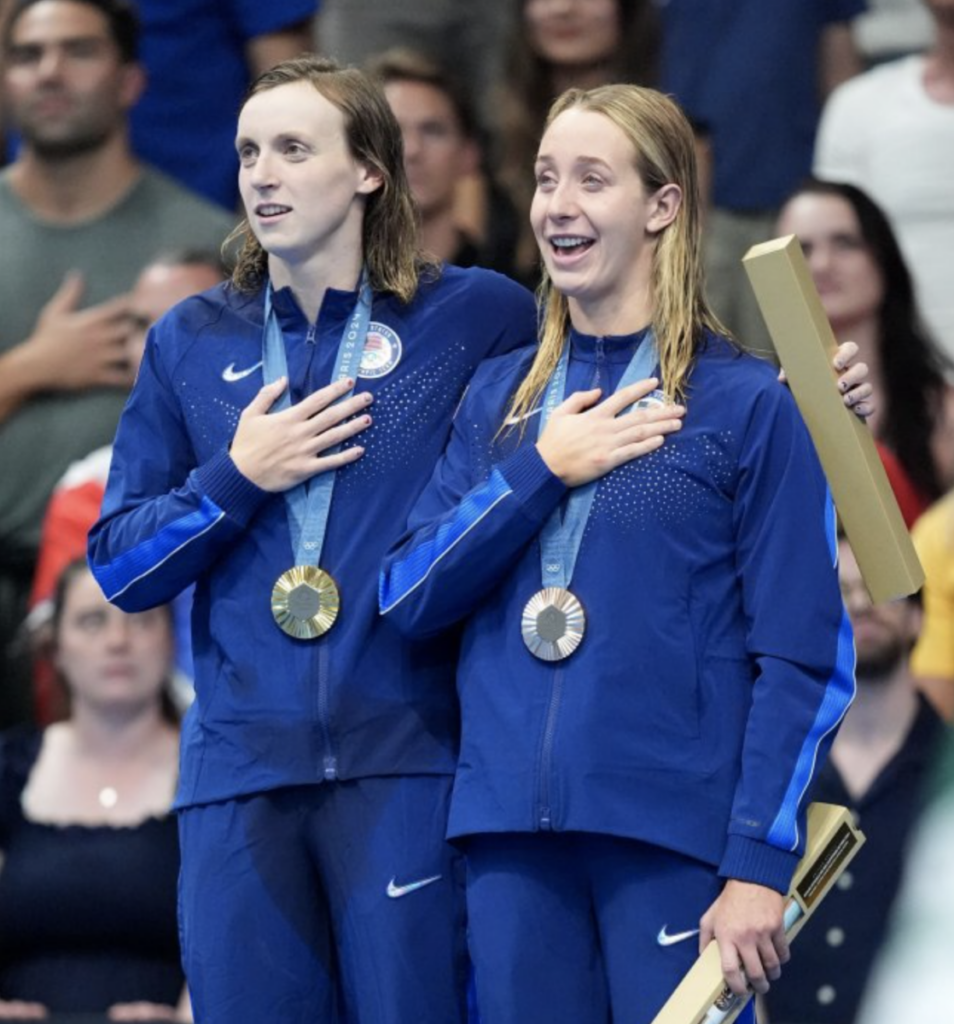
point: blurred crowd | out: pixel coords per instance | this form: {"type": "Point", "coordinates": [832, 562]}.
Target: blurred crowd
{"type": "Point", "coordinates": [829, 119]}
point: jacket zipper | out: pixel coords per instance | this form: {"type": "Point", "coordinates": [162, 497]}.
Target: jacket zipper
{"type": "Point", "coordinates": [329, 764]}
{"type": "Point", "coordinates": [545, 820]}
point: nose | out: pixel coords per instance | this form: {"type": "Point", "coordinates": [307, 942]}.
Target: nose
{"type": "Point", "coordinates": [50, 64]}
{"type": "Point", "coordinates": [262, 174]}
{"type": "Point", "coordinates": [117, 629]}
{"type": "Point", "coordinates": [562, 203]}
{"type": "Point", "coordinates": [819, 259]}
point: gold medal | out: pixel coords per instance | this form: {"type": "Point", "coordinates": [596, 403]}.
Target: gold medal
{"type": "Point", "coordinates": [553, 624]}
{"type": "Point", "coordinates": [305, 602]}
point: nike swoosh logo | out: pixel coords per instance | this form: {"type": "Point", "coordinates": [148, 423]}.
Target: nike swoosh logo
{"type": "Point", "coordinates": [230, 375]}
{"type": "Point", "coordinates": [397, 891]}
{"type": "Point", "coordinates": [665, 939]}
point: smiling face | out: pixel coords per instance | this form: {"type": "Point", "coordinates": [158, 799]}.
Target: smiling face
{"type": "Point", "coordinates": [65, 82]}
{"type": "Point", "coordinates": [849, 281]}
{"type": "Point", "coordinates": [595, 223]}
{"type": "Point", "coordinates": [108, 658]}
{"type": "Point", "coordinates": [303, 191]}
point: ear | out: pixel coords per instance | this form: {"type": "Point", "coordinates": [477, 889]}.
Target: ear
{"type": "Point", "coordinates": [132, 84]}
{"type": "Point", "coordinates": [664, 206]}
{"type": "Point", "coordinates": [370, 179]}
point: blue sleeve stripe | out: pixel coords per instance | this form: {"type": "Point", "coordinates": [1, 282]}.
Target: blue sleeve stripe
{"type": "Point", "coordinates": [831, 527]}
{"type": "Point", "coordinates": [145, 558]}
{"type": "Point", "coordinates": [839, 693]}
{"type": "Point", "coordinates": [405, 576]}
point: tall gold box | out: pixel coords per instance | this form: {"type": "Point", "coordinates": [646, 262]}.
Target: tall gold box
{"type": "Point", "coordinates": [805, 346]}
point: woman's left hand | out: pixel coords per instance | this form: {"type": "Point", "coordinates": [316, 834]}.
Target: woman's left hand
{"type": "Point", "coordinates": [852, 380]}
{"type": "Point", "coordinates": [747, 922]}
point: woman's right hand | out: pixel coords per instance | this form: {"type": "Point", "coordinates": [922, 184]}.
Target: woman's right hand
{"type": "Point", "coordinates": [279, 451]}
{"type": "Point", "coordinates": [16, 1009]}
{"type": "Point", "coordinates": [584, 438]}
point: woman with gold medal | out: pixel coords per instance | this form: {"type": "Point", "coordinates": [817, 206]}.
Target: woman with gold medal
{"type": "Point", "coordinates": [318, 756]}
{"type": "Point", "coordinates": [655, 654]}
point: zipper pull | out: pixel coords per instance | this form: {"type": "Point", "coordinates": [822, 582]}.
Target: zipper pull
{"type": "Point", "coordinates": [600, 356]}
{"type": "Point", "coordinates": [310, 336]}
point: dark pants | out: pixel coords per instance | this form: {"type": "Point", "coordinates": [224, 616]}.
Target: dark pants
{"type": "Point", "coordinates": [292, 898]}
{"type": "Point", "coordinates": [564, 928]}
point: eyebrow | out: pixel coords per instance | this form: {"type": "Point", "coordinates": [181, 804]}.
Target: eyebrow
{"type": "Point", "coordinates": [583, 161]}
{"type": "Point", "coordinates": [294, 135]}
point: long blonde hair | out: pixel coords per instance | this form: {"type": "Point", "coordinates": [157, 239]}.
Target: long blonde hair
{"type": "Point", "coordinates": [664, 153]}
{"type": "Point", "coordinates": [390, 232]}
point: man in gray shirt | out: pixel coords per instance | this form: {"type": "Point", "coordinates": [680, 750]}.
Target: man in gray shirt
{"type": "Point", "coordinates": [80, 216]}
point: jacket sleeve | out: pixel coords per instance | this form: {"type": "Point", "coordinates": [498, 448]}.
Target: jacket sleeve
{"type": "Point", "coordinates": [463, 537]}
{"type": "Point", "coordinates": [798, 636]}
{"type": "Point", "coordinates": [164, 519]}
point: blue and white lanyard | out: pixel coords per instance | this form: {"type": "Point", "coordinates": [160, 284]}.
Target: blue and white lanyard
{"type": "Point", "coordinates": [562, 534]}
{"type": "Point", "coordinates": [309, 503]}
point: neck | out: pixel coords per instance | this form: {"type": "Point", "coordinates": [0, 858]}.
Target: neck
{"type": "Point", "coordinates": [866, 335]}
{"type": "Point", "coordinates": [76, 188]}
{"type": "Point", "coordinates": [939, 64]}
{"type": "Point", "coordinates": [116, 732]}
{"type": "Point", "coordinates": [440, 234]}
{"type": "Point", "coordinates": [613, 315]}
{"type": "Point", "coordinates": [309, 279]}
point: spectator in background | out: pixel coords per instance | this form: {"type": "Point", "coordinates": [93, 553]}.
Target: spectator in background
{"type": "Point", "coordinates": [89, 849]}
{"type": "Point", "coordinates": [558, 44]}
{"type": "Point", "coordinates": [74, 506]}
{"type": "Point", "coordinates": [933, 658]}
{"type": "Point", "coordinates": [913, 980]}
{"type": "Point", "coordinates": [467, 37]}
{"type": "Point", "coordinates": [79, 218]}
{"type": "Point", "coordinates": [441, 147]}
{"type": "Point", "coordinates": [891, 131]}
{"type": "Point", "coordinates": [878, 767]}
{"type": "Point", "coordinates": [200, 56]}
{"type": "Point", "coordinates": [867, 292]}
{"type": "Point", "coordinates": [751, 76]}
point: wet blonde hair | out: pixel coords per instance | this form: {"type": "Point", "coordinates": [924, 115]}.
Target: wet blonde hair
{"type": "Point", "coordinates": [664, 153]}
{"type": "Point", "coordinates": [390, 231]}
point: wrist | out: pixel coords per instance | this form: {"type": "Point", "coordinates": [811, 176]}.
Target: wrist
{"type": "Point", "coordinates": [551, 459]}
{"type": "Point", "coordinates": [20, 374]}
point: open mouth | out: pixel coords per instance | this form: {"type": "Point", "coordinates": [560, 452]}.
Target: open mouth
{"type": "Point", "coordinates": [269, 211]}
{"type": "Point", "coordinates": [567, 247]}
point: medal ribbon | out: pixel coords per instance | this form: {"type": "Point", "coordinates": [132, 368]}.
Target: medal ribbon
{"type": "Point", "coordinates": [562, 535]}
{"type": "Point", "coordinates": [309, 503]}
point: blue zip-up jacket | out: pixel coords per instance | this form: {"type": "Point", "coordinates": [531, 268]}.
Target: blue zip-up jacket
{"type": "Point", "coordinates": [718, 659]}
{"type": "Point", "coordinates": [272, 711]}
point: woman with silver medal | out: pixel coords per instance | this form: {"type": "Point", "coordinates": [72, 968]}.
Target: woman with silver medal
{"type": "Point", "coordinates": [632, 525]}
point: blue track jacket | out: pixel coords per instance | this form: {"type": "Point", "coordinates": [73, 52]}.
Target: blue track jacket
{"type": "Point", "coordinates": [272, 711]}
{"type": "Point", "coordinates": [718, 659]}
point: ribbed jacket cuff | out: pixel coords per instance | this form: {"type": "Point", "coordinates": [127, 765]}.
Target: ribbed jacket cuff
{"type": "Point", "coordinates": [235, 494]}
{"type": "Point", "coordinates": [750, 860]}
{"type": "Point", "coordinates": [533, 485]}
